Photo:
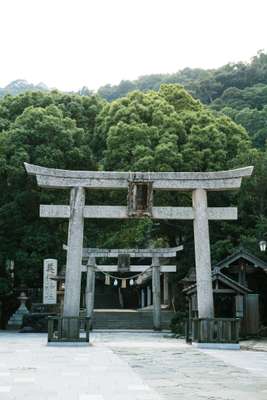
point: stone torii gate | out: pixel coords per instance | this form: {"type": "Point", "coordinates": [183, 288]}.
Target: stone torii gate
{"type": "Point", "coordinates": [141, 186]}
{"type": "Point", "coordinates": [90, 255]}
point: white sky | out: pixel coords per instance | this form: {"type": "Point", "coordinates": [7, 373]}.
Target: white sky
{"type": "Point", "coordinates": [73, 43]}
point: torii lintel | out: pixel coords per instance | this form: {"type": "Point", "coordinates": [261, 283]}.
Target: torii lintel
{"type": "Point", "coordinates": [216, 180]}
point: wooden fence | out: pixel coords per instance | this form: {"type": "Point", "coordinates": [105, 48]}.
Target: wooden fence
{"type": "Point", "coordinates": [212, 330]}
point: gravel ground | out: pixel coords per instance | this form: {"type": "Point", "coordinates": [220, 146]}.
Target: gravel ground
{"type": "Point", "coordinates": [255, 344]}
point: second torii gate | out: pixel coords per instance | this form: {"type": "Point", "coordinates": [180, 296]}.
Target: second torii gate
{"type": "Point", "coordinates": [90, 255]}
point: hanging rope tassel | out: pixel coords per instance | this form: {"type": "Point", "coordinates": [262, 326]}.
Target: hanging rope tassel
{"type": "Point", "coordinates": [133, 279]}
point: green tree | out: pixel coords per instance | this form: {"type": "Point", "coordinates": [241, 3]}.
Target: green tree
{"type": "Point", "coordinates": [50, 135]}
{"type": "Point", "coordinates": [253, 120]}
{"type": "Point", "coordinates": [170, 131]}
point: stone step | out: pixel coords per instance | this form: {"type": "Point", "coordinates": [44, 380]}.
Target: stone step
{"type": "Point", "coordinates": [106, 297]}
{"type": "Point", "coordinates": [123, 319]}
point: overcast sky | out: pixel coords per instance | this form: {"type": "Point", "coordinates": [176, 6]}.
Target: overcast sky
{"type": "Point", "coordinates": [73, 43]}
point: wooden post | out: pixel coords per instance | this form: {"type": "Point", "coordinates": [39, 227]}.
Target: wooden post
{"type": "Point", "coordinates": [148, 295]}
{"type": "Point", "coordinates": [166, 288]}
{"type": "Point", "coordinates": [252, 314]}
{"type": "Point", "coordinates": [142, 298]}
{"type": "Point", "coordinates": [90, 289]}
{"type": "Point", "coordinates": [156, 294]}
{"type": "Point", "coordinates": [189, 327]}
{"type": "Point", "coordinates": [239, 306]}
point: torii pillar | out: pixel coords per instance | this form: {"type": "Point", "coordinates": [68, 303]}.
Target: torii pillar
{"type": "Point", "coordinates": [202, 255]}
{"type": "Point", "coordinates": [156, 294]}
{"type": "Point", "coordinates": [90, 288]}
{"type": "Point", "coordinates": [74, 254]}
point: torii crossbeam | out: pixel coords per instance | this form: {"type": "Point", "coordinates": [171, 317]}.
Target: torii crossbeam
{"type": "Point", "coordinates": [141, 186]}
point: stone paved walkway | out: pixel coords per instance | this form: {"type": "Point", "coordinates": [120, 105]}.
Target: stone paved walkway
{"type": "Point", "coordinates": [128, 366]}
{"type": "Point", "coordinates": [254, 344]}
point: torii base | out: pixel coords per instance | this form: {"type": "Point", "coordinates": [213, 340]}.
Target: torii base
{"type": "Point", "coordinates": [213, 333]}
{"type": "Point", "coordinates": [217, 346]}
{"type": "Point", "coordinates": [68, 330]}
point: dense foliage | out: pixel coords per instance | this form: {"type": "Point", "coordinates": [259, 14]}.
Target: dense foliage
{"type": "Point", "coordinates": [47, 129]}
{"type": "Point", "coordinates": [206, 85]}
{"type": "Point", "coordinates": [165, 129]}
{"type": "Point", "coordinates": [239, 90]}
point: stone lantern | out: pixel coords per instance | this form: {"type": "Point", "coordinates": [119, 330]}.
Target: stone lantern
{"type": "Point", "coordinates": [16, 319]}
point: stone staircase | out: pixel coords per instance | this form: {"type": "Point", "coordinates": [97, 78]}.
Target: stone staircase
{"type": "Point", "coordinates": [109, 315]}
{"type": "Point", "coordinates": [128, 319]}
{"type": "Point", "coordinates": [106, 297]}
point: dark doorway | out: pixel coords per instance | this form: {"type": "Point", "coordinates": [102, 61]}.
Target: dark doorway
{"type": "Point", "coordinates": [224, 305]}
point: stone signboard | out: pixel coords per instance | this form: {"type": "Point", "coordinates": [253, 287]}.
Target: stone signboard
{"type": "Point", "coordinates": [49, 285]}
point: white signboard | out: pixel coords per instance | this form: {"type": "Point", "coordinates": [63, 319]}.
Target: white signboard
{"type": "Point", "coordinates": [49, 285]}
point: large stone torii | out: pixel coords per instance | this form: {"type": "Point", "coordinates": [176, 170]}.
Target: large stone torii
{"type": "Point", "coordinates": [140, 187]}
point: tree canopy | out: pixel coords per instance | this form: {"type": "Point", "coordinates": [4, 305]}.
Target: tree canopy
{"type": "Point", "coordinates": [54, 130]}
{"type": "Point", "coordinates": [166, 129]}
{"type": "Point", "coordinates": [231, 89]}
